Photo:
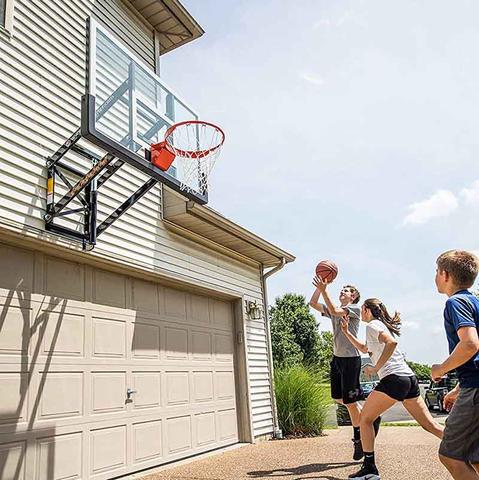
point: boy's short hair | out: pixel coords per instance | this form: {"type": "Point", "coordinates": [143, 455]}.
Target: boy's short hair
{"type": "Point", "coordinates": [355, 291]}
{"type": "Point", "coordinates": [461, 265]}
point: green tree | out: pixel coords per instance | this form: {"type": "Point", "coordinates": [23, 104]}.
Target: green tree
{"type": "Point", "coordinates": [422, 371]}
{"type": "Point", "coordinates": [294, 335]}
{"type": "Point", "coordinates": [324, 353]}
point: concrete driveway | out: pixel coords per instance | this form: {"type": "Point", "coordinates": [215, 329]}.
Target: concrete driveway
{"type": "Point", "coordinates": [402, 453]}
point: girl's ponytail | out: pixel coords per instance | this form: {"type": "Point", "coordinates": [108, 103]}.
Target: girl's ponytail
{"type": "Point", "coordinates": [379, 311]}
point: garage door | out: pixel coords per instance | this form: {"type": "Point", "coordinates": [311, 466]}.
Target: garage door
{"type": "Point", "coordinates": [103, 374]}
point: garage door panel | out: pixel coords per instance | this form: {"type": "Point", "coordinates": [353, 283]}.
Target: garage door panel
{"type": "Point", "coordinates": [17, 270]}
{"type": "Point", "coordinates": [223, 348]}
{"type": "Point", "coordinates": [222, 315]}
{"type": "Point", "coordinates": [108, 392]}
{"type": "Point", "coordinates": [178, 435]}
{"type": "Point", "coordinates": [145, 296]}
{"type": "Point", "coordinates": [145, 342]}
{"type": "Point", "coordinates": [203, 389]}
{"type": "Point", "coordinates": [62, 395]}
{"type": "Point", "coordinates": [225, 385]}
{"type": "Point", "coordinates": [15, 325]}
{"type": "Point", "coordinates": [108, 449]}
{"type": "Point", "coordinates": [14, 401]}
{"type": "Point", "coordinates": [61, 334]}
{"type": "Point", "coordinates": [109, 337]}
{"type": "Point", "coordinates": [201, 345]}
{"type": "Point", "coordinates": [199, 310]}
{"type": "Point", "coordinates": [227, 422]}
{"type": "Point", "coordinates": [12, 459]}
{"type": "Point", "coordinates": [147, 441]}
{"type": "Point", "coordinates": [174, 305]}
{"type": "Point", "coordinates": [64, 279]}
{"type": "Point", "coordinates": [177, 388]}
{"type": "Point", "coordinates": [176, 343]}
{"type": "Point", "coordinates": [109, 288]}
{"type": "Point", "coordinates": [205, 429]}
{"type": "Point", "coordinates": [60, 457]}
{"type": "Point", "coordinates": [148, 390]}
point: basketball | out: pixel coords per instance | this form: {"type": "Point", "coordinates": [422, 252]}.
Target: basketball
{"type": "Point", "coordinates": [326, 270]}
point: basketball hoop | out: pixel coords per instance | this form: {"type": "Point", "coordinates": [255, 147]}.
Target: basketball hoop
{"type": "Point", "coordinates": [194, 146]}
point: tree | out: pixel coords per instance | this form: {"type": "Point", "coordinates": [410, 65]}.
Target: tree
{"type": "Point", "coordinates": [294, 335]}
{"type": "Point", "coordinates": [325, 353]}
{"type": "Point", "coordinates": [422, 371]}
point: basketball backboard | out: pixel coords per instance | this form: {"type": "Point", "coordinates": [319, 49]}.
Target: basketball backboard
{"type": "Point", "coordinates": [127, 107]}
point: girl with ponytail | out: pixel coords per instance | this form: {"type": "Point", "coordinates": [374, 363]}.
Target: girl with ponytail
{"type": "Point", "coordinates": [397, 381]}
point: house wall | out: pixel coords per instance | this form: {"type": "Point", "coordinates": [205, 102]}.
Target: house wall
{"type": "Point", "coordinates": [42, 79]}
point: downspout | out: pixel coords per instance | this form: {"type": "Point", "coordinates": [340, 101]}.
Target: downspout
{"type": "Point", "coordinates": [277, 433]}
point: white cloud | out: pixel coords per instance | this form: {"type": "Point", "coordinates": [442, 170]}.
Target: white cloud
{"type": "Point", "coordinates": [324, 22]}
{"type": "Point", "coordinates": [349, 16]}
{"type": "Point", "coordinates": [314, 79]}
{"type": "Point", "coordinates": [440, 204]}
{"type": "Point", "coordinates": [471, 195]}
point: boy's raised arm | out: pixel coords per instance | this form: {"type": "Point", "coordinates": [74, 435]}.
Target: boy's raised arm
{"type": "Point", "coordinates": [333, 310]}
{"type": "Point", "coordinates": [314, 302]}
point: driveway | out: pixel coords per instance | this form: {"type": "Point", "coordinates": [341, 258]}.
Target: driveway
{"type": "Point", "coordinates": [402, 453]}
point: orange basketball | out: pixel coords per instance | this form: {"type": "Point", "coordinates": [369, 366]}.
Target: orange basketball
{"type": "Point", "coordinates": [326, 270]}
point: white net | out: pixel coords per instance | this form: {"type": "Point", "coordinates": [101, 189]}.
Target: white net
{"type": "Point", "coordinates": [197, 146]}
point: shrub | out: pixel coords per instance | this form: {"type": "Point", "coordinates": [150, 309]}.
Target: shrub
{"type": "Point", "coordinates": [302, 401]}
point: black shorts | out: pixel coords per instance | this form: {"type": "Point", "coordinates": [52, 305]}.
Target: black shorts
{"type": "Point", "coordinates": [345, 384]}
{"type": "Point", "coordinates": [399, 387]}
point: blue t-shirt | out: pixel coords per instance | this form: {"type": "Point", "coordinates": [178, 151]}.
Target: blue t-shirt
{"type": "Point", "coordinates": [462, 310]}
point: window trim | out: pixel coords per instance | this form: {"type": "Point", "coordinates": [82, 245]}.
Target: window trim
{"type": "Point", "coordinates": [7, 27]}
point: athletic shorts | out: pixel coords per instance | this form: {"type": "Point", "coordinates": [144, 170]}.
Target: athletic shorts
{"type": "Point", "coordinates": [461, 435]}
{"type": "Point", "coordinates": [399, 387]}
{"type": "Point", "coordinates": [345, 384]}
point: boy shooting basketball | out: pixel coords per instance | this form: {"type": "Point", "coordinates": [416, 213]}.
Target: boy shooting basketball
{"type": "Point", "coordinates": [459, 451]}
{"type": "Point", "coordinates": [346, 363]}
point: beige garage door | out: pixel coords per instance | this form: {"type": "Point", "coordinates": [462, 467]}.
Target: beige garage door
{"type": "Point", "coordinates": [102, 374]}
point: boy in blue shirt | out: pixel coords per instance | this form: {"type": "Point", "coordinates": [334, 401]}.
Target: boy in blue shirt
{"type": "Point", "coordinates": [459, 451]}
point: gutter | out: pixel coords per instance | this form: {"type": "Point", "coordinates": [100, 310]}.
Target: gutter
{"type": "Point", "coordinates": [277, 433]}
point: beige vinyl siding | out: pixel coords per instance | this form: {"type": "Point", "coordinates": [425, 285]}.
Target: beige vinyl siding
{"type": "Point", "coordinates": [42, 78]}
{"type": "Point", "coordinates": [259, 377]}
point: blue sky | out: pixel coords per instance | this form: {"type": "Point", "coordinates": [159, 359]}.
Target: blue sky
{"type": "Point", "coordinates": [352, 135]}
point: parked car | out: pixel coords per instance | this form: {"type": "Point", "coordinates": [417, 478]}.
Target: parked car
{"type": "Point", "coordinates": [367, 388]}
{"type": "Point", "coordinates": [436, 392]}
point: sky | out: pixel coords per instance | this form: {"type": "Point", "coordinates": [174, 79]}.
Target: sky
{"type": "Point", "coordinates": [351, 135]}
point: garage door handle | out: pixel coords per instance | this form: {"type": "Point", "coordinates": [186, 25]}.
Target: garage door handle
{"type": "Point", "coordinates": [130, 392]}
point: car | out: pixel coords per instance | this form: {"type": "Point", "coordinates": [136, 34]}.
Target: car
{"type": "Point", "coordinates": [367, 388]}
{"type": "Point", "coordinates": [436, 391]}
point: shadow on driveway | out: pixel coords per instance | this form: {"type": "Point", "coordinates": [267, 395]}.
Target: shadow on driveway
{"type": "Point", "coordinates": [312, 468]}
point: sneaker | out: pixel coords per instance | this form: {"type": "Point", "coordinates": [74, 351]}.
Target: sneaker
{"type": "Point", "coordinates": [376, 424]}
{"type": "Point", "coordinates": [367, 472]}
{"type": "Point", "coordinates": [358, 450]}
